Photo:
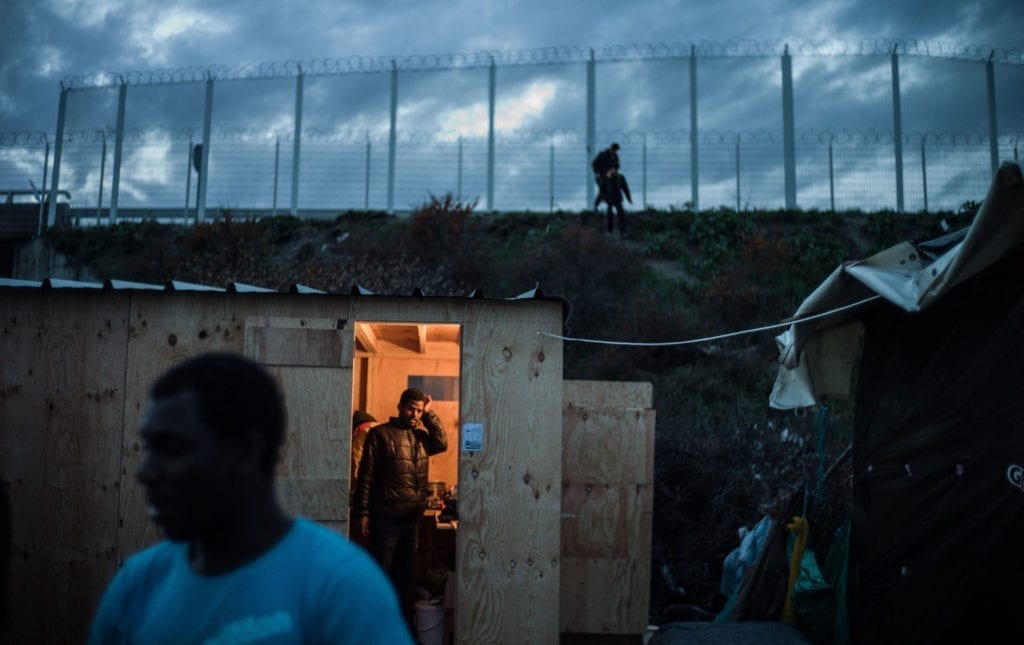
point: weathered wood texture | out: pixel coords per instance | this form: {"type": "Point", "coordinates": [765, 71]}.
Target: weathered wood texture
{"type": "Point", "coordinates": [607, 499]}
{"type": "Point", "coordinates": [62, 393]}
{"type": "Point", "coordinates": [612, 395]}
{"type": "Point", "coordinates": [74, 381]}
{"type": "Point", "coordinates": [507, 546]}
{"type": "Point", "coordinates": [164, 330]}
{"type": "Point", "coordinates": [312, 362]}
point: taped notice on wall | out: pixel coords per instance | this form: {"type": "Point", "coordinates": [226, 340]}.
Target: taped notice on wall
{"type": "Point", "coordinates": [472, 437]}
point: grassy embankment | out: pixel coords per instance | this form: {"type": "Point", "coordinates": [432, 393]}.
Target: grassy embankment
{"type": "Point", "coordinates": [722, 455]}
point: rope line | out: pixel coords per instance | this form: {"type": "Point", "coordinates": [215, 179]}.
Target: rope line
{"type": "Point", "coordinates": [711, 338]}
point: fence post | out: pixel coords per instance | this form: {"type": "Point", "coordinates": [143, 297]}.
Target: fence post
{"type": "Point", "coordinates": [831, 176]}
{"type": "Point", "coordinates": [788, 135]}
{"type": "Point", "coordinates": [551, 177]}
{"type": "Point", "coordinates": [897, 127]}
{"type": "Point", "coordinates": [51, 214]}
{"type": "Point", "coordinates": [115, 180]}
{"type": "Point", "coordinates": [924, 172]}
{"type": "Point", "coordinates": [458, 182]}
{"type": "Point", "coordinates": [591, 126]}
{"type": "Point", "coordinates": [366, 188]}
{"type": "Point", "coordinates": [738, 173]}
{"type": "Point", "coordinates": [694, 175]}
{"type": "Point", "coordinates": [204, 164]}
{"type": "Point", "coordinates": [391, 137]}
{"type": "Point", "coordinates": [103, 168]}
{"type": "Point", "coordinates": [993, 130]}
{"type": "Point", "coordinates": [188, 180]}
{"type": "Point", "coordinates": [643, 161]}
{"type": "Point", "coordinates": [58, 148]}
{"type": "Point", "coordinates": [42, 202]}
{"type": "Point", "coordinates": [490, 135]}
{"type": "Point", "coordinates": [297, 142]}
{"type": "Point", "coordinates": [277, 173]}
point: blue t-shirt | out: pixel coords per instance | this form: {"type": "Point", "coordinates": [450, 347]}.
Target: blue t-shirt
{"type": "Point", "coordinates": [312, 587]}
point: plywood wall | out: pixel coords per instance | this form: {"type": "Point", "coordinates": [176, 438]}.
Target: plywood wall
{"type": "Point", "coordinates": [74, 384]}
{"type": "Point", "coordinates": [62, 393]}
{"type": "Point", "coordinates": [165, 329]}
{"type": "Point", "coordinates": [607, 499]}
{"type": "Point", "coordinates": [508, 559]}
{"type": "Point", "coordinates": [73, 387]}
{"type": "Point", "coordinates": [311, 358]}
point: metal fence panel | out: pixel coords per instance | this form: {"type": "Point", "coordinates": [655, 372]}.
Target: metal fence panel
{"type": "Point", "coordinates": [642, 96]}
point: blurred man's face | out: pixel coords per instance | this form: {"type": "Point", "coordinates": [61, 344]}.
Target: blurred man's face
{"type": "Point", "coordinates": [410, 411]}
{"type": "Point", "coordinates": [187, 469]}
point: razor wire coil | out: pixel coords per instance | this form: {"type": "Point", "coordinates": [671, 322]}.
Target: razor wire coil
{"type": "Point", "coordinates": [559, 55]}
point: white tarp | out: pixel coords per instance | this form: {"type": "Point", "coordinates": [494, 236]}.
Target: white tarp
{"type": "Point", "coordinates": [817, 356]}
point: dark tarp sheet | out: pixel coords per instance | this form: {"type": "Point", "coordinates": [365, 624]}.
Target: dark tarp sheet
{"type": "Point", "coordinates": [938, 515]}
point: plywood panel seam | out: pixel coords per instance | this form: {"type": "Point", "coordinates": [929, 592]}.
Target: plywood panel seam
{"type": "Point", "coordinates": [130, 305]}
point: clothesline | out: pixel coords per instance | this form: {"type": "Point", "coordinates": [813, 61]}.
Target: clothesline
{"type": "Point", "coordinates": [706, 339]}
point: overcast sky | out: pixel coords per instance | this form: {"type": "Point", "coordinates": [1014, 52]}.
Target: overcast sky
{"type": "Point", "coordinates": [45, 41]}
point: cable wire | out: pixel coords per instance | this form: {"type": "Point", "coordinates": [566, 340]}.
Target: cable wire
{"type": "Point", "coordinates": [706, 339]}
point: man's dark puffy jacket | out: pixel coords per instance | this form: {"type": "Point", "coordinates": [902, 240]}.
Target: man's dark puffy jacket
{"type": "Point", "coordinates": [393, 471]}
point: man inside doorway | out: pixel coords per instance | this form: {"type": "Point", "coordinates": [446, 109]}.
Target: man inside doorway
{"type": "Point", "coordinates": [392, 488]}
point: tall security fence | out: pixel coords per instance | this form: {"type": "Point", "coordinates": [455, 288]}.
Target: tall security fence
{"type": "Point", "coordinates": [251, 172]}
{"type": "Point", "coordinates": [744, 125]}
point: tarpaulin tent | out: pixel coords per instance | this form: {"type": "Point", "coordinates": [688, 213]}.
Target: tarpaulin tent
{"type": "Point", "coordinates": [928, 340]}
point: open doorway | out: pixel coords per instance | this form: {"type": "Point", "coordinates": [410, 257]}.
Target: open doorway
{"type": "Point", "coordinates": [388, 358]}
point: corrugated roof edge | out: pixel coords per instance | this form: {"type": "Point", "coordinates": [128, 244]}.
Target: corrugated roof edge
{"type": "Point", "coordinates": [235, 287]}
{"type": "Point", "coordinates": [357, 290]}
{"type": "Point", "coordinates": [57, 283]}
{"type": "Point", "coordinates": [178, 285]}
{"type": "Point", "coordinates": [301, 288]}
{"type": "Point", "coordinates": [127, 284]}
{"type": "Point", "coordinates": [238, 287]}
{"type": "Point", "coordinates": [20, 284]}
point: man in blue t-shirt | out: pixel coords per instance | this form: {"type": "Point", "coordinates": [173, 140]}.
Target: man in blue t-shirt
{"type": "Point", "coordinates": [235, 568]}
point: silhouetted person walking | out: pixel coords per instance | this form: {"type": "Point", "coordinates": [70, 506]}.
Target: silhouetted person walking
{"type": "Point", "coordinates": [606, 161]}
{"type": "Point", "coordinates": [615, 186]}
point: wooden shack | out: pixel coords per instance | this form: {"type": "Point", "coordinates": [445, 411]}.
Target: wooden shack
{"type": "Point", "coordinates": [554, 478]}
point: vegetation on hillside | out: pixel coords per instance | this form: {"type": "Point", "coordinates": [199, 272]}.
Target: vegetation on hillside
{"type": "Point", "coordinates": [722, 456]}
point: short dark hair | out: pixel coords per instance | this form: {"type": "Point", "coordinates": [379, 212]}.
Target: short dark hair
{"type": "Point", "coordinates": [235, 395]}
{"type": "Point", "coordinates": [412, 394]}
{"type": "Point", "coordinates": [615, 146]}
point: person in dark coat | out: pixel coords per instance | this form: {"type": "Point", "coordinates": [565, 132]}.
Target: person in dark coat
{"type": "Point", "coordinates": [606, 161]}
{"type": "Point", "coordinates": [361, 424]}
{"type": "Point", "coordinates": [392, 489]}
{"type": "Point", "coordinates": [615, 186]}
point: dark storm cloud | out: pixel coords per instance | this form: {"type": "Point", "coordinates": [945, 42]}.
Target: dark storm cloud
{"type": "Point", "coordinates": [43, 42]}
